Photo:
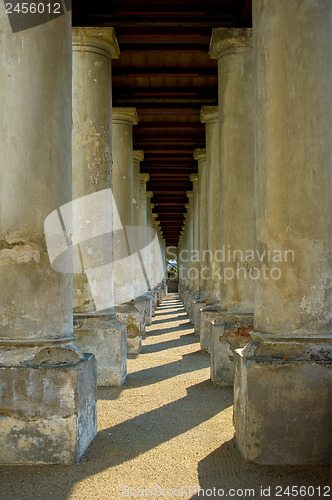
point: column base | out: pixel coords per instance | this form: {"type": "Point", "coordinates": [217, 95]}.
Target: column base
{"type": "Point", "coordinates": [172, 286]}
{"type": "Point", "coordinates": [229, 331]}
{"type": "Point", "coordinates": [198, 306]}
{"type": "Point", "coordinates": [51, 416]}
{"type": "Point", "coordinates": [192, 301]}
{"type": "Point", "coordinates": [160, 294]}
{"type": "Point", "coordinates": [130, 316]}
{"type": "Point", "coordinates": [282, 407]}
{"type": "Point", "coordinates": [208, 313]}
{"type": "Point", "coordinates": [105, 337]}
{"type": "Point", "coordinates": [154, 297]}
{"type": "Point", "coordinates": [144, 305]}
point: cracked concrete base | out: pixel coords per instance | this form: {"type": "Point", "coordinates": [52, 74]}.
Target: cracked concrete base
{"type": "Point", "coordinates": [131, 317]}
{"type": "Point", "coordinates": [282, 406]}
{"type": "Point", "coordinates": [51, 416]}
{"type": "Point", "coordinates": [229, 331]}
{"type": "Point", "coordinates": [106, 338]}
{"type": "Point", "coordinates": [208, 314]}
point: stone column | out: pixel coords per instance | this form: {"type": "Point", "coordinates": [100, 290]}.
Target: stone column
{"type": "Point", "coordinates": [47, 386]}
{"type": "Point", "coordinates": [125, 257]}
{"type": "Point", "coordinates": [158, 261]}
{"type": "Point", "coordinates": [190, 271]}
{"type": "Point", "coordinates": [97, 329]}
{"type": "Point", "coordinates": [232, 327]}
{"type": "Point", "coordinates": [282, 409]}
{"type": "Point", "coordinates": [149, 258]}
{"type": "Point", "coordinates": [145, 236]}
{"type": "Point", "coordinates": [210, 116]}
{"type": "Point", "coordinates": [200, 156]}
{"type": "Point", "coordinates": [196, 229]}
{"type": "Point", "coordinates": [139, 282]}
{"type": "Point", "coordinates": [195, 264]}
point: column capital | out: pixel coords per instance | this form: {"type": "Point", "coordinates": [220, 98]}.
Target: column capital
{"type": "Point", "coordinates": [93, 39]}
{"type": "Point", "coordinates": [189, 194]}
{"type": "Point", "coordinates": [144, 178]}
{"type": "Point", "coordinates": [193, 178]}
{"type": "Point", "coordinates": [138, 155]}
{"type": "Point", "coordinates": [199, 154]}
{"type": "Point", "coordinates": [149, 194]}
{"type": "Point", "coordinates": [186, 205]}
{"type": "Point", "coordinates": [229, 41]}
{"type": "Point", "coordinates": [154, 215]}
{"type": "Point", "coordinates": [152, 205]}
{"type": "Point", "coordinates": [209, 114]}
{"type": "Point", "coordinates": [125, 116]}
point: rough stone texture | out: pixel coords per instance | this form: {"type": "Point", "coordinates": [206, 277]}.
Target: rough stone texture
{"type": "Point", "coordinates": [172, 286]}
{"type": "Point", "coordinates": [93, 50]}
{"type": "Point", "coordinates": [200, 156]}
{"type": "Point", "coordinates": [282, 383]}
{"type": "Point", "coordinates": [294, 181]}
{"type": "Point", "coordinates": [199, 304]}
{"type": "Point", "coordinates": [282, 407]}
{"type": "Point", "coordinates": [236, 138]}
{"type": "Point", "coordinates": [229, 331]}
{"type": "Point", "coordinates": [106, 338]}
{"type": "Point", "coordinates": [51, 416]}
{"type": "Point", "coordinates": [191, 310]}
{"type": "Point", "coordinates": [47, 387]}
{"type": "Point", "coordinates": [208, 313]}
{"type": "Point", "coordinates": [35, 300]}
{"type": "Point", "coordinates": [210, 116]}
{"type": "Point", "coordinates": [144, 305]}
{"type": "Point", "coordinates": [125, 263]}
{"type": "Point", "coordinates": [130, 316]}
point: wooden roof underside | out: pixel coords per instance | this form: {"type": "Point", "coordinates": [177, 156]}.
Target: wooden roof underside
{"type": "Point", "coordinates": [164, 70]}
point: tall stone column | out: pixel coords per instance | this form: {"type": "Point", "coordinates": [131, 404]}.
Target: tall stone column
{"type": "Point", "coordinates": [210, 116]}
{"type": "Point", "coordinates": [149, 249]}
{"type": "Point", "coordinates": [232, 327]}
{"type": "Point", "coordinates": [139, 282]}
{"type": "Point", "coordinates": [196, 228]}
{"type": "Point", "coordinates": [195, 263]}
{"type": "Point", "coordinates": [47, 386]}
{"type": "Point", "coordinates": [144, 238]}
{"type": "Point", "coordinates": [190, 268]}
{"type": "Point", "coordinates": [124, 254]}
{"type": "Point", "coordinates": [200, 156]}
{"type": "Point", "coordinates": [282, 409]}
{"type": "Point", "coordinates": [158, 260]}
{"type": "Point", "coordinates": [96, 327]}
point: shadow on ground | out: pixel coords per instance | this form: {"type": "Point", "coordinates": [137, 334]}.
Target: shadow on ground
{"type": "Point", "coordinates": [224, 469]}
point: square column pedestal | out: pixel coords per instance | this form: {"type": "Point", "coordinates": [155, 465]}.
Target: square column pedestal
{"type": "Point", "coordinates": [282, 403]}
{"type": "Point", "coordinates": [133, 319]}
{"type": "Point", "coordinates": [144, 305]}
{"type": "Point", "coordinates": [48, 413]}
{"type": "Point", "coordinates": [229, 331]}
{"type": "Point", "coordinates": [106, 338]}
{"type": "Point", "coordinates": [208, 312]}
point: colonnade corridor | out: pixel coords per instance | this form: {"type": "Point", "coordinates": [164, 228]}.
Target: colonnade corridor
{"type": "Point", "coordinates": [165, 433]}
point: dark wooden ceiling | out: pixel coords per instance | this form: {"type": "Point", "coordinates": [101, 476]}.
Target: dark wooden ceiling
{"type": "Point", "coordinates": [165, 71]}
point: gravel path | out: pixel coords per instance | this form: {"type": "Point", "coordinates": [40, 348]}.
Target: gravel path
{"type": "Point", "coordinates": [167, 427]}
